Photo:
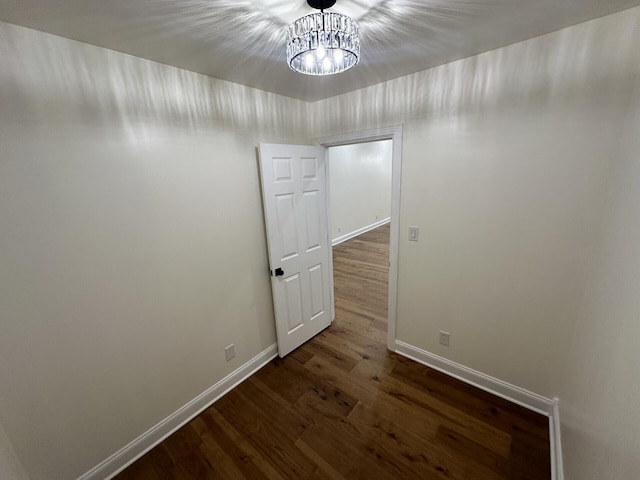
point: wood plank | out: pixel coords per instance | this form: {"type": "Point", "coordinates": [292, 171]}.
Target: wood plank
{"type": "Point", "coordinates": [240, 449]}
{"type": "Point", "coordinates": [222, 463]}
{"type": "Point", "coordinates": [425, 459]}
{"type": "Point", "coordinates": [272, 440]}
{"type": "Point", "coordinates": [325, 469]}
{"type": "Point", "coordinates": [183, 448]}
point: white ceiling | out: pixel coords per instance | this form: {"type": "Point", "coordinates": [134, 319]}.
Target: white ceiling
{"type": "Point", "coordinates": [243, 41]}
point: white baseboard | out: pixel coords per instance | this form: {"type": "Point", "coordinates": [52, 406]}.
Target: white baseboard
{"type": "Point", "coordinates": [557, 471]}
{"type": "Point", "coordinates": [152, 437]}
{"type": "Point", "coordinates": [360, 231]}
{"type": "Point", "coordinates": [517, 395]}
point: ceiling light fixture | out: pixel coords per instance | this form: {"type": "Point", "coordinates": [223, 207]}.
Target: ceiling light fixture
{"type": "Point", "coordinates": [323, 43]}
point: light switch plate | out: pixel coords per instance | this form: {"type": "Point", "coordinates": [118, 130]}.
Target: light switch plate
{"type": "Point", "coordinates": [413, 234]}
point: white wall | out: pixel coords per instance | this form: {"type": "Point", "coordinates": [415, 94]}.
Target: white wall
{"type": "Point", "coordinates": [506, 167]}
{"type": "Point", "coordinates": [600, 386]}
{"type": "Point", "coordinates": [360, 186]}
{"type": "Point", "coordinates": [132, 243]}
{"type": "Point", "coordinates": [10, 466]}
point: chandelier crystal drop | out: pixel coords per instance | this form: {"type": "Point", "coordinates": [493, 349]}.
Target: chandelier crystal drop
{"type": "Point", "coordinates": [322, 43]}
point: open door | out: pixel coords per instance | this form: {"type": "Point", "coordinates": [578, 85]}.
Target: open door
{"type": "Point", "coordinates": [294, 190]}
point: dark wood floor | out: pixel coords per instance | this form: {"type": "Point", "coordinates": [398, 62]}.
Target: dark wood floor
{"type": "Point", "coordinates": [343, 407]}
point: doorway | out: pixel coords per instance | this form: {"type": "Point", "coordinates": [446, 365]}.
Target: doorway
{"type": "Point", "coordinates": [359, 194]}
{"type": "Point", "coordinates": [394, 134]}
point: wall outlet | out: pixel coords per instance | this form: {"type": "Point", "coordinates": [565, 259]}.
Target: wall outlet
{"type": "Point", "coordinates": [377, 216]}
{"type": "Point", "coordinates": [444, 338]}
{"type": "Point", "coordinates": [230, 352]}
{"type": "Point", "coordinates": [339, 229]}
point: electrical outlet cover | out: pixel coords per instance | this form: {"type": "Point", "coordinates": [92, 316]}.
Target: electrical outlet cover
{"type": "Point", "coordinates": [230, 352]}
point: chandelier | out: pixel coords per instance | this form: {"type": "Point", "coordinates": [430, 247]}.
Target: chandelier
{"type": "Point", "coordinates": [322, 43]}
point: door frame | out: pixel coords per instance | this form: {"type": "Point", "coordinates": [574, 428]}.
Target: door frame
{"type": "Point", "coordinates": [393, 133]}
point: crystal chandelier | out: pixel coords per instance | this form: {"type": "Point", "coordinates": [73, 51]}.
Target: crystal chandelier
{"type": "Point", "coordinates": [322, 43]}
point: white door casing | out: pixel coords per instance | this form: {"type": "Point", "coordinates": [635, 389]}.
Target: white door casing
{"type": "Point", "coordinates": [294, 190]}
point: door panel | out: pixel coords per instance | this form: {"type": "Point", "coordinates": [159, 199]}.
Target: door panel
{"type": "Point", "coordinates": [312, 219]}
{"type": "Point", "coordinates": [285, 208]}
{"type": "Point", "coordinates": [317, 291]}
{"type": "Point", "coordinates": [293, 293]}
{"type": "Point", "coordinates": [295, 198]}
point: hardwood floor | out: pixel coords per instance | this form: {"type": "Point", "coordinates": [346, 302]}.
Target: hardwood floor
{"type": "Point", "coordinates": [343, 407]}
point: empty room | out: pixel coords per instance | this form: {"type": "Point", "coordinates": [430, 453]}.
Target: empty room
{"type": "Point", "coordinates": [186, 293]}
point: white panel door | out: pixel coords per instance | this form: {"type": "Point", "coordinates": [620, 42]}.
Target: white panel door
{"type": "Point", "coordinates": [295, 209]}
